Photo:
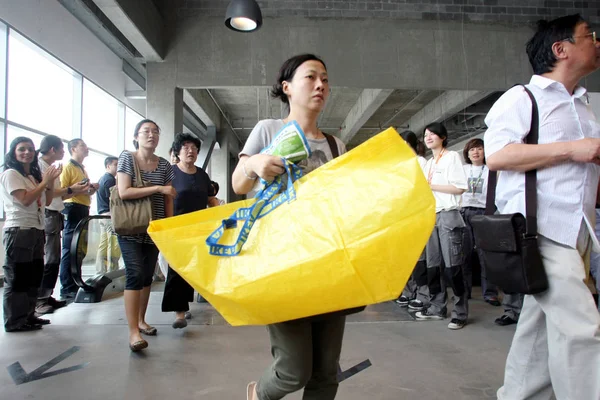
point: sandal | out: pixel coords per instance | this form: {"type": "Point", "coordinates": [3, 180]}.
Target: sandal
{"type": "Point", "coordinates": [150, 331]}
{"type": "Point", "coordinates": [137, 346]}
{"type": "Point", "coordinates": [250, 391]}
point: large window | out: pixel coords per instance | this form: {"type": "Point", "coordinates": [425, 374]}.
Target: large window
{"type": "Point", "coordinates": [100, 119]}
{"type": "Point", "coordinates": [47, 97]}
{"type": "Point", "coordinates": [131, 120]}
{"type": "Point", "coordinates": [40, 89]}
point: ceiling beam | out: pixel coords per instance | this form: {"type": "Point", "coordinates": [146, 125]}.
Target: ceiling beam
{"type": "Point", "coordinates": [368, 102]}
{"type": "Point", "coordinates": [443, 107]}
{"type": "Point", "coordinates": [203, 106]}
{"type": "Point", "coordinates": [141, 23]}
{"type": "Point", "coordinates": [94, 19]}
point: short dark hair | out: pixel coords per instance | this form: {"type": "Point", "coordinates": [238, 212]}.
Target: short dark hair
{"type": "Point", "coordinates": [410, 138]}
{"type": "Point", "coordinates": [287, 72]}
{"type": "Point", "coordinates": [137, 130]}
{"type": "Point", "coordinates": [215, 187]}
{"type": "Point", "coordinates": [421, 149]}
{"type": "Point", "coordinates": [440, 130]}
{"type": "Point", "coordinates": [73, 143]}
{"type": "Point", "coordinates": [109, 160]}
{"type": "Point", "coordinates": [539, 47]}
{"type": "Point", "coordinates": [181, 138]}
{"type": "Point", "coordinates": [50, 142]}
{"type": "Point", "coordinates": [472, 144]}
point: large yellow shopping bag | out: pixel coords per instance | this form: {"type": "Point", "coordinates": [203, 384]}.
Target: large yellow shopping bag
{"type": "Point", "coordinates": [351, 237]}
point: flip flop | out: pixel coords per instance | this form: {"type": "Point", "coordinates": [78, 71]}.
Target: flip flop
{"type": "Point", "coordinates": [139, 345]}
{"type": "Point", "coordinates": [151, 331]}
{"type": "Point", "coordinates": [250, 391]}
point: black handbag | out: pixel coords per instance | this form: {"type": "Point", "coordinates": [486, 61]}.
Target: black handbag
{"type": "Point", "coordinates": [509, 241]}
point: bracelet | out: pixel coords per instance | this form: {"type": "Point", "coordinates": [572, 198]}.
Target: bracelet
{"type": "Point", "coordinates": [245, 173]}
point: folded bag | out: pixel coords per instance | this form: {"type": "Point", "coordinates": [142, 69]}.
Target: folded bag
{"type": "Point", "coordinates": [351, 237]}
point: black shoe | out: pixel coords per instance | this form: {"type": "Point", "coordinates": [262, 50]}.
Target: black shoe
{"type": "Point", "coordinates": [456, 324]}
{"type": "Point", "coordinates": [25, 328]}
{"type": "Point", "coordinates": [505, 320]}
{"type": "Point", "coordinates": [56, 303]}
{"type": "Point", "coordinates": [416, 305]}
{"type": "Point", "coordinates": [402, 301]}
{"type": "Point", "coordinates": [38, 321]}
{"type": "Point", "coordinates": [494, 302]}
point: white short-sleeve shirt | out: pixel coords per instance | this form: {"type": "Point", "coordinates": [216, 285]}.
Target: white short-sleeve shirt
{"type": "Point", "coordinates": [448, 170]}
{"type": "Point", "coordinates": [17, 214]}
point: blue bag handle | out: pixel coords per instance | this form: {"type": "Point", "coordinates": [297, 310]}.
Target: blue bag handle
{"type": "Point", "coordinates": [265, 203]}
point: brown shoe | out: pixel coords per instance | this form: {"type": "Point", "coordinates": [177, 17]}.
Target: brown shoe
{"type": "Point", "coordinates": [137, 346]}
{"type": "Point", "coordinates": [150, 331]}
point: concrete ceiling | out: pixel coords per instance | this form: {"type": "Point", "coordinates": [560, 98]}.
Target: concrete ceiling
{"type": "Point", "coordinates": [353, 114]}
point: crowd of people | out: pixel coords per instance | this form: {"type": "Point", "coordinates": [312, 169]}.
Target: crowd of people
{"type": "Point", "coordinates": [556, 348]}
{"type": "Point", "coordinates": [42, 197]}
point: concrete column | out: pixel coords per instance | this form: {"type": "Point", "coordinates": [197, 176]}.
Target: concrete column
{"type": "Point", "coordinates": [219, 167]}
{"type": "Point", "coordinates": [164, 103]}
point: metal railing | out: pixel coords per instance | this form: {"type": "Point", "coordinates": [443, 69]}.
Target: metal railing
{"type": "Point", "coordinates": [96, 263]}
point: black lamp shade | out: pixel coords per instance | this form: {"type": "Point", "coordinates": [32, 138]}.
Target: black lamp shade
{"type": "Point", "coordinates": [243, 16]}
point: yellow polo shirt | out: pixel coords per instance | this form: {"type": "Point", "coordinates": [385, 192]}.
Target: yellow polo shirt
{"type": "Point", "coordinates": [73, 173]}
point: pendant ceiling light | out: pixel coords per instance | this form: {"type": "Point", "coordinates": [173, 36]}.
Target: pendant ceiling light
{"type": "Point", "coordinates": [243, 16]}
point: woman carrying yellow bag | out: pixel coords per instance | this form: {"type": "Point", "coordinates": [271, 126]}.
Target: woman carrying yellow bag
{"type": "Point", "coordinates": [306, 351]}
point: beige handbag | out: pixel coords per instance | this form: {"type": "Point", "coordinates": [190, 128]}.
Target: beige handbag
{"type": "Point", "coordinates": [131, 217]}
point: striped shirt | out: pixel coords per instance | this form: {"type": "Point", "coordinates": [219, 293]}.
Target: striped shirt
{"type": "Point", "coordinates": [162, 175]}
{"type": "Point", "coordinates": [566, 192]}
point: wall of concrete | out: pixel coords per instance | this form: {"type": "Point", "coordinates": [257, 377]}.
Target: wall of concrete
{"type": "Point", "coordinates": [52, 27]}
{"type": "Point", "coordinates": [362, 53]}
{"type": "Point", "coordinates": [505, 11]}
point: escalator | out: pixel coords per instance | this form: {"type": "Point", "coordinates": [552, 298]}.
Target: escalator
{"type": "Point", "coordinates": [96, 263]}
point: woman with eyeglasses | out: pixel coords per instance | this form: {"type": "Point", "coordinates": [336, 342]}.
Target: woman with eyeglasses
{"type": "Point", "coordinates": [139, 251]}
{"type": "Point", "coordinates": [194, 192]}
{"type": "Point", "coordinates": [25, 192]}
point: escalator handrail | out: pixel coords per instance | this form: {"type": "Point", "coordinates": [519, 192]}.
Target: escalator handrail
{"type": "Point", "coordinates": [75, 265]}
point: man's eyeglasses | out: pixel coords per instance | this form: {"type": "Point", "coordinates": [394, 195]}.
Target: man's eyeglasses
{"type": "Point", "coordinates": [592, 34]}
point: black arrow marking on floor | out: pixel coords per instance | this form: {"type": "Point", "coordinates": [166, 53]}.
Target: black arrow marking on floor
{"type": "Point", "coordinates": [343, 375]}
{"type": "Point", "coordinates": [19, 375]}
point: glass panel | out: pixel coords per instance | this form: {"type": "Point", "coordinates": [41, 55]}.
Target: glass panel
{"type": "Point", "coordinates": [100, 125]}
{"type": "Point", "coordinates": [40, 89]}
{"type": "Point", "coordinates": [131, 119]}
{"type": "Point", "coordinates": [94, 165]}
{"type": "Point", "coordinates": [98, 249]}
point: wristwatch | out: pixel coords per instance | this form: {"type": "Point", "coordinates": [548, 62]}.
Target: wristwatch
{"type": "Point", "coordinates": [69, 190]}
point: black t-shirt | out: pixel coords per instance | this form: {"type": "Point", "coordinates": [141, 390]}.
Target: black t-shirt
{"type": "Point", "coordinates": [103, 194]}
{"type": "Point", "coordinates": [192, 191]}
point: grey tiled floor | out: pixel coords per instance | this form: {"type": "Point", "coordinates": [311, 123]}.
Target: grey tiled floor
{"type": "Point", "coordinates": [211, 360]}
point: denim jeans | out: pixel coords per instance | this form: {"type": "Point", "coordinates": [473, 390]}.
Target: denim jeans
{"type": "Point", "coordinates": [140, 263]}
{"type": "Point", "coordinates": [74, 213]}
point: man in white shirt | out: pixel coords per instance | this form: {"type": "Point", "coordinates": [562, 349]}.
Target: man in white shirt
{"type": "Point", "coordinates": [556, 347]}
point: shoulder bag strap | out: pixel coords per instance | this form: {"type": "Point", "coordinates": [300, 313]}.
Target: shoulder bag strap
{"type": "Point", "coordinates": [137, 172]}
{"type": "Point", "coordinates": [530, 176]}
{"type": "Point", "coordinates": [332, 145]}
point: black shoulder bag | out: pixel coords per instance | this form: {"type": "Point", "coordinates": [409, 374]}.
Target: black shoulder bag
{"type": "Point", "coordinates": [509, 241]}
